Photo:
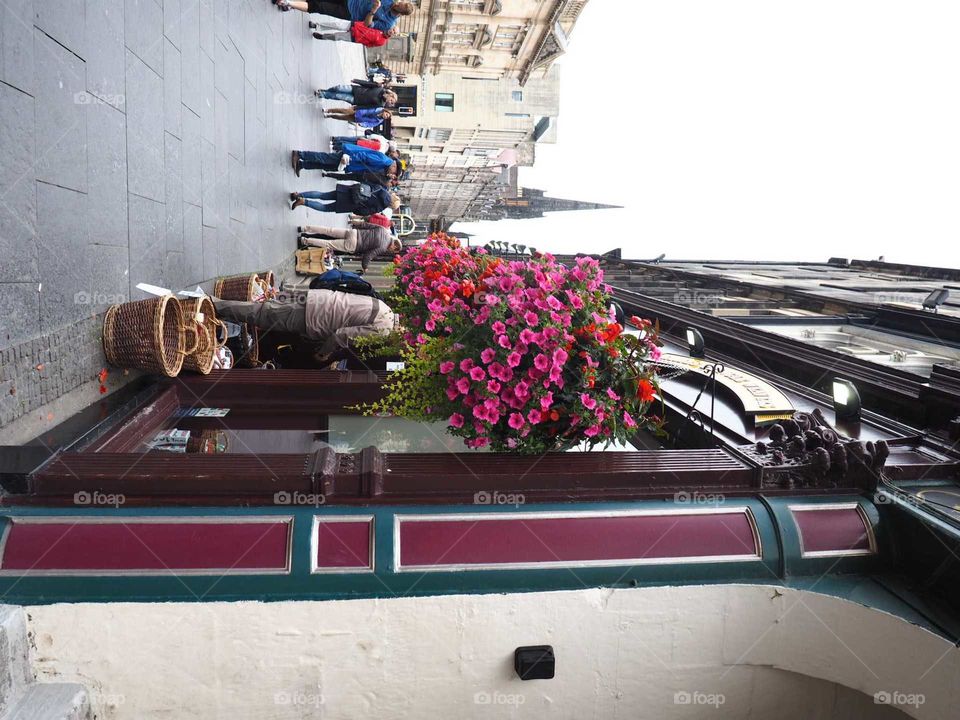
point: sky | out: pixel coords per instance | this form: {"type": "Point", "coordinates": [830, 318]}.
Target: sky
{"type": "Point", "coordinates": [755, 130]}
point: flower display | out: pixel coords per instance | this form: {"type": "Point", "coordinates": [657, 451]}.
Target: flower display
{"type": "Point", "coordinates": [520, 355]}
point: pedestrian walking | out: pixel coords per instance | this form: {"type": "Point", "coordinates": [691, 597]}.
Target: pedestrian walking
{"type": "Point", "coordinates": [368, 241]}
{"type": "Point", "coordinates": [367, 117]}
{"type": "Point", "coordinates": [373, 142]}
{"type": "Point", "coordinates": [353, 159]}
{"type": "Point", "coordinates": [331, 28]}
{"type": "Point", "coordinates": [359, 198]}
{"type": "Point", "coordinates": [360, 93]}
{"type": "Point", "coordinates": [378, 14]}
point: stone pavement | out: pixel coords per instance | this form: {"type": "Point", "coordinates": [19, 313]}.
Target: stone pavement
{"type": "Point", "coordinates": [142, 141]}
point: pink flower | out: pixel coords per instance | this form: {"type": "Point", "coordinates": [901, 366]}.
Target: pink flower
{"type": "Point", "coordinates": [452, 393]}
{"type": "Point", "coordinates": [515, 421]}
{"type": "Point", "coordinates": [591, 431]}
{"type": "Point", "coordinates": [546, 401]}
{"type": "Point", "coordinates": [492, 385]}
{"type": "Point", "coordinates": [612, 395]}
{"type": "Point", "coordinates": [531, 318]}
{"type": "Point", "coordinates": [446, 367]}
{"type": "Point", "coordinates": [588, 401]}
{"type": "Point", "coordinates": [499, 328]}
{"type": "Point", "coordinates": [430, 325]}
{"type": "Point", "coordinates": [534, 416]}
{"type": "Point", "coordinates": [466, 364]}
{"type": "Point", "coordinates": [541, 362]}
{"type": "Point", "coordinates": [456, 420]}
{"type": "Point", "coordinates": [477, 374]}
{"type": "Point", "coordinates": [488, 355]}
{"type": "Point", "coordinates": [504, 342]}
{"type": "Point", "coordinates": [628, 421]}
{"type": "Point", "coordinates": [463, 385]}
{"type": "Point", "coordinates": [554, 303]}
{"type": "Point", "coordinates": [513, 359]}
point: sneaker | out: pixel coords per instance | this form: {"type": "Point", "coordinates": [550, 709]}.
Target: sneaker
{"type": "Point", "coordinates": [295, 161]}
{"type": "Point", "coordinates": [312, 25]}
{"type": "Point", "coordinates": [344, 161]}
{"type": "Point", "coordinates": [318, 93]}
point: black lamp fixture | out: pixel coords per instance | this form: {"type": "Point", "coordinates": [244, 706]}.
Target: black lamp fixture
{"type": "Point", "coordinates": [535, 662]}
{"type": "Point", "coordinates": [846, 400]}
{"type": "Point", "coordinates": [695, 342]}
{"type": "Point", "coordinates": [617, 311]}
{"type": "Point", "coordinates": [935, 299]}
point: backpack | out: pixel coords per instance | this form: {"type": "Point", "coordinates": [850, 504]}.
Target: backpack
{"type": "Point", "coordinates": [344, 281]}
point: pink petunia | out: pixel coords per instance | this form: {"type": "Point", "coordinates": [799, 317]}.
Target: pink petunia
{"type": "Point", "coordinates": [591, 431]}
{"type": "Point", "coordinates": [477, 374]}
{"type": "Point", "coordinates": [628, 421]}
{"type": "Point", "coordinates": [527, 336]}
{"type": "Point", "coordinates": [534, 416]}
{"type": "Point", "coordinates": [456, 420]}
{"type": "Point", "coordinates": [546, 401]}
{"type": "Point", "coordinates": [513, 359]}
{"type": "Point", "coordinates": [531, 318]}
{"type": "Point", "coordinates": [588, 401]}
{"type": "Point", "coordinates": [463, 385]}
{"type": "Point", "coordinates": [612, 395]}
{"type": "Point", "coordinates": [487, 355]}
{"type": "Point", "coordinates": [541, 362]}
{"type": "Point", "coordinates": [504, 342]}
{"type": "Point", "coordinates": [466, 364]}
{"type": "Point", "coordinates": [452, 393]}
{"type": "Point", "coordinates": [499, 328]}
{"type": "Point", "coordinates": [446, 367]}
{"type": "Point", "coordinates": [515, 421]}
{"type": "Point", "coordinates": [492, 385]}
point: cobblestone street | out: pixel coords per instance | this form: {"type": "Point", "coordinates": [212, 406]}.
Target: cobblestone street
{"type": "Point", "coordinates": [142, 141]}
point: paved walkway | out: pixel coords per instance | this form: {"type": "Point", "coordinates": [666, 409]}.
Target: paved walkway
{"type": "Point", "coordinates": [142, 141]}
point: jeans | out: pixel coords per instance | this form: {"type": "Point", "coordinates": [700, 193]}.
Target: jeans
{"type": "Point", "coordinates": [310, 200]}
{"type": "Point", "coordinates": [312, 160]}
{"type": "Point", "coordinates": [343, 93]}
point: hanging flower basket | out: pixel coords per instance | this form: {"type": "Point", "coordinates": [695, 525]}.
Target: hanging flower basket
{"type": "Point", "coordinates": [518, 355]}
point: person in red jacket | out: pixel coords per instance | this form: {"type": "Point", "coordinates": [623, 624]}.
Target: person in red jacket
{"type": "Point", "coordinates": [331, 28]}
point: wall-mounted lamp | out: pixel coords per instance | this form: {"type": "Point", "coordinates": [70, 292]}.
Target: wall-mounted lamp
{"type": "Point", "coordinates": [846, 400]}
{"type": "Point", "coordinates": [695, 342]}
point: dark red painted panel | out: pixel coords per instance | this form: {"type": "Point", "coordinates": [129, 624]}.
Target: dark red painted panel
{"type": "Point", "coordinates": [427, 542]}
{"type": "Point", "coordinates": [67, 546]}
{"type": "Point", "coordinates": [344, 544]}
{"type": "Point", "coordinates": [832, 530]}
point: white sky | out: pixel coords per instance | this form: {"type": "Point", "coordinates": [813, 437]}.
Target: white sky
{"type": "Point", "coordinates": [756, 130]}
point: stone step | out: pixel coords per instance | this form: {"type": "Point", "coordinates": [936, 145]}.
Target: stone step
{"type": "Point", "coordinates": [51, 701]}
{"type": "Point", "coordinates": [15, 673]}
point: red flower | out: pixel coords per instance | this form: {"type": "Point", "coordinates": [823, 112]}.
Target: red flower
{"type": "Point", "coordinates": [645, 391]}
{"type": "Point", "coordinates": [468, 288]}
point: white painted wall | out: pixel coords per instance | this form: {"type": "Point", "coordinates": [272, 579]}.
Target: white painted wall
{"type": "Point", "coordinates": [621, 654]}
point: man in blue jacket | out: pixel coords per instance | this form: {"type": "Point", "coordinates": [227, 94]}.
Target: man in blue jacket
{"type": "Point", "coordinates": [354, 159]}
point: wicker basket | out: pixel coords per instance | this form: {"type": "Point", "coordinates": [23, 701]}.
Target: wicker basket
{"type": "Point", "coordinates": [147, 334]}
{"type": "Point", "coordinates": [237, 287]}
{"type": "Point", "coordinates": [268, 279]}
{"type": "Point", "coordinates": [201, 359]}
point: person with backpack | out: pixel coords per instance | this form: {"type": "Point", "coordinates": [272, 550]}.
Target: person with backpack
{"type": "Point", "coordinates": [331, 317]}
{"type": "Point", "coordinates": [359, 198]}
{"type": "Point", "coordinates": [367, 240]}
{"type": "Point", "coordinates": [361, 94]}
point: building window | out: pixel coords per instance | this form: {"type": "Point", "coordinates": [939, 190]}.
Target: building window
{"type": "Point", "coordinates": [517, 95]}
{"type": "Point", "coordinates": [518, 115]}
{"type": "Point", "coordinates": [443, 102]}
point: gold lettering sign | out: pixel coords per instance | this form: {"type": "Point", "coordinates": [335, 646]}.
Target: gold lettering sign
{"type": "Point", "coordinates": [758, 397]}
